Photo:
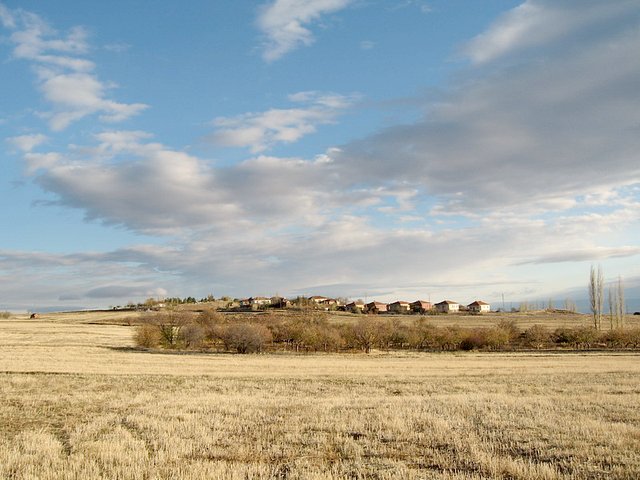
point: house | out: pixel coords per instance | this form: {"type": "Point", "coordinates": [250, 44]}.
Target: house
{"type": "Point", "coordinates": [479, 307]}
{"type": "Point", "coordinates": [280, 302]}
{"type": "Point", "coordinates": [255, 302]}
{"type": "Point", "coordinates": [260, 301]}
{"type": "Point", "coordinates": [317, 299]}
{"type": "Point", "coordinates": [447, 306]}
{"type": "Point", "coordinates": [420, 306]}
{"type": "Point", "coordinates": [354, 307]}
{"type": "Point", "coordinates": [375, 307]}
{"type": "Point", "coordinates": [399, 307]}
{"type": "Point", "coordinates": [329, 302]}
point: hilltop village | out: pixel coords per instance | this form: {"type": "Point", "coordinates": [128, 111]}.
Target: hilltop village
{"type": "Point", "coordinates": [398, 307]}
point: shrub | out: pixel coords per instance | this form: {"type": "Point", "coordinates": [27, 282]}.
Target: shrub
{"type": "Point", "coordinates": [449, 338]}
{"type": "Point", "coordinates": [423, 335]}
{"type": "Point", "coordinates": [5, 314]}
{"type": "Point", "coordinates": [147, 336]}
{"type": "Point", "coordinates": [579, 337]}
{"type": "Point", "coordinates": [210, 322]}
{"type": "Point", "coordinates": [192, 336]}
{"type": "Point", "coordinates": [536, 336]}
{"type": "Point", "coordinates": [499, 337]}
{"type": "Point", "coordinates": [246, 337]}
{"type": "Point", "coordinates": [369, 333]}
{"type": "Point", "coordinates": [399, 335]}
{"type": "Point", "coordinates": [470, 342]}
{"type": "Point", "coordinates": [320, 337]}
{"type": "Point", "coordinates": [169, 325]}
{"type": "Point", "coordinates": [623, 337]}
{"type": "Point", "coordinates": [510, 327]}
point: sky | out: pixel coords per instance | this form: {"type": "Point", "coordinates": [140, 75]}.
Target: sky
{"type": "Point", "coordinates": [372, 149]}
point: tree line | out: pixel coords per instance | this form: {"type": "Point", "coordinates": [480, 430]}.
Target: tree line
{"type": "Point", "coordinates": [313, 332]}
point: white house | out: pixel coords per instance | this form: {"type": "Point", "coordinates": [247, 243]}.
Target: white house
{"type": "Point", "coordinates": [479, 307]}
{"type": "Point", "coordinates": [447, 306]}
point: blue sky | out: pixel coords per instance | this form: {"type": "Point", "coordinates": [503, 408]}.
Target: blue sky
{"type": "Point", "coordinates": [381, 149]}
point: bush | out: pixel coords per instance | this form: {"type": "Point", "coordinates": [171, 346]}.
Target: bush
{"type": "Point", "coordinates": [320, 337]}
{"type": "Point", "coordinates": [211, 324]}
{"type": "Point", "coordinates": [369, 333]}
{"type": "Point", "coordinates": [623, 338]}
{"type": "Point", "coordinates": [536, 336]}
{"type": "Point", "coordinates": [470, 342]}
{"type": "Point", "coordinates": [510, 327]}
{"type": "Point", "coordinates": [499, 337]}
{"type": "Point", "coordinates": [169, 325]}
{"type": "Point", "coordinates": [579, 337]}
{"type": "Point", "coordinates": [246, 337]}
{"type": "Point", "coordinates": [449, 338]}
{"type": "Point", "coordinates": [5, 314]}
{"type": "Point", "coordinates": [423, 335]}
{"type": "Point", "coordinates": [192, 336]}
{"type": "Point", "coordinates": [147, 336]}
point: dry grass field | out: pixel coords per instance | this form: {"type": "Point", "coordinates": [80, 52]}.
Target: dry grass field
{"type": "Point", "coordinates": [77, 402]}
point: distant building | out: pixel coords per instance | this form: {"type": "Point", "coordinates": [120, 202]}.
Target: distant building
{"type": "Point", "coordinates": [255, 302]}
{"type": "Point", "coordinates": [479, 307]}
{"type": "Point", "coordinates": [420, 306]}
{"type": "Point", "coordinates": [280, 302]}
{"type": "Point", "coordinates": [329, 302]}
{"type": "Point", "coordinates": [399, 307]}
{"type": "Point", "coordinates": [375, 307]}
{"type": "Point", "coordinates": [447, 306]}
{"type": "Point", "coordinates": [317, 299]}
{"type": "Point", "coordinates": [354, 307]}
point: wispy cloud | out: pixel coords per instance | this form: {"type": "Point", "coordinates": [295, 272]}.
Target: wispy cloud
{"type": "Point", "coordinates": [422, 6]}
{"type": "Point", "coordinates": [515, 166]}
{"type": "Point", "coordinates": [65, 77]}
{"type": "Point", "coordinates": [586, 255]}
{"type": "Point", "coordinates": [536, 23]}
{"type": "Point", "coordinates": [6, 17]}
{"type": "Point", "coordinates": [564, 123]}
{"type": "Point", "coordinates": [284, 23]}
{"type": "Point", "coordinates": [261, 131]}
{"type": "Point", "coordinates": [26, 143]}
{"type": "Point", "coordinates": [367, 45]}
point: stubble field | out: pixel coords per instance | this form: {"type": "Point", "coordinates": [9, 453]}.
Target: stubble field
{"type": "Point", "coordinates": [76, 401]}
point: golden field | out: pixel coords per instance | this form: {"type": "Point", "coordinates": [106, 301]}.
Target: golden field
{"type": "Point", "coordinates": [77, 402]}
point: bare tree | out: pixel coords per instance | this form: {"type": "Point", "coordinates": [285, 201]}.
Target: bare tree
{"type": "Point", "coordinates": [613, 307]}
{"type": "Point", "coordinates": [596, 297]}
{"type": "Point", "coordinates": [620, 305]}
{"type": "Point", "coordinates": [569, 305]}
{"type": "Point", "coordinates": [617, 307]}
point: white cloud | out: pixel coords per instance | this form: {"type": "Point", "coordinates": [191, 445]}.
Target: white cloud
{"type": "Point", "coordinates": [523, 167]}
{"type": "Point", "coordinates": [420, 5]}
{"type": "Point", "coordinates": [261, 131]}
{"type": "Point", "coordinates": [587, 255]}
{"type": "Point", "coordinates": [77, 95]}
{"type": "Point", "coordinates": [26, 143]}
{"type": "Point", "coordinates": [283, 23]}
{"type": "Point", "coordinates": [64, 77]}
{"type": "Point", "coordinates": [563, 124]}
{"type": "Point", "coordinates": [536, 23]}
{"type": "Point", "coordinates": [37, 161]}
{"type": "Point", "coordinates": [80, 280]}
{"type": "Point", "coordinates": [367, 45]}
{"type": "Point", "coordinates": [6, 17]}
